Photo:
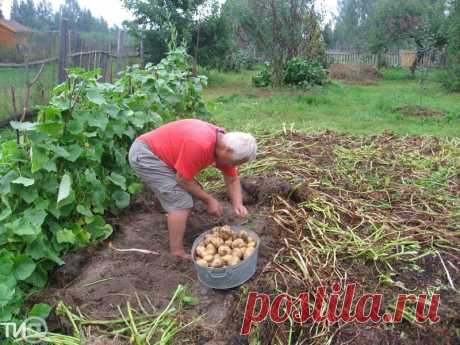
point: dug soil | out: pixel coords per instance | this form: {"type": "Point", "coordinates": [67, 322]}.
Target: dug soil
{"type": "Point", "coordinates": [98, 279]}
{"type": "Point", "coordinates": [355, 74]}
{"type": "Point", "coordinates": [293, 169]}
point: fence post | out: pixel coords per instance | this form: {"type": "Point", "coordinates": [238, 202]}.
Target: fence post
{"type": "Point", "coordinates": [119, 49]}
{"type": "Point", "coordinates": [63, 48]}
{"type": "Point", "coordinates": [141, 50]}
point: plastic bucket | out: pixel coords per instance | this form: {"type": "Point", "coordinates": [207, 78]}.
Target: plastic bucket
{"type": "Point", "coordinates": [227, 277]}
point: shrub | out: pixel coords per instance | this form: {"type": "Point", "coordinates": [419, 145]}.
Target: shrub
{"type": "Point", "coordinates": [264, 77]}
{"type": "Point", "coordinates": [304, 72]}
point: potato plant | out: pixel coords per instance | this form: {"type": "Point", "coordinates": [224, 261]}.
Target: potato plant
{"type": "Point", "coordinates": [224, 247]}
{"type": "Point", "coordinates": [70, 167]}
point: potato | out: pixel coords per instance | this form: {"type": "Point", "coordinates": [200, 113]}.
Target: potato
{"type": "Point", "coordinates": [238, 243]}
{"type": "Point", "coordinates": [237, 252]}
{"type": "Point", "coordinates": [217, 241]}
{"type": "Point", "coordinates": [234, 261]}
{"type": "Point", "coordinates": [200, 251]}
{"type": "Point", "coordinates": [207, 239]}
{"type": "Point", "coordinates": [252, 243]}
{"type": "Point", "coordinates": [217, 262]}
{"type": "Point", "coordinates": [227, 259]}
{"type": "Point", "coordinates": [209, 258]}
{"type": "Point", "coordinates": [244, 236]}
{"type": "Point", "coordinates": [229, 242]}
{"type": "Point", "coordinates": [248, 252]}
{"type": "Point", "coordinates": [202, 262]}
{"type": "Point", "coordinates": [210, 249]}
{"type": "Point", "coordinates": [224, 250]}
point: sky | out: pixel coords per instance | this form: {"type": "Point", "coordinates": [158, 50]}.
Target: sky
{"type": "Point", "coordinates": [114, 13]}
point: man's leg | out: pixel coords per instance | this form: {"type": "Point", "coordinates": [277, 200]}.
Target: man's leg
{"type": "Point", "coordinates": [177, 221]}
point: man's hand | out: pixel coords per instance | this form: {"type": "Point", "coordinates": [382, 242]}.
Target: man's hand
{"type": "Point", "coordinates": [214, 208]}
{"type": "Point", "coordinates": [241, 211]}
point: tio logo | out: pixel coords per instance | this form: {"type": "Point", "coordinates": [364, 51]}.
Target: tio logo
{"type": "Point", "coordinates": [31, 331]}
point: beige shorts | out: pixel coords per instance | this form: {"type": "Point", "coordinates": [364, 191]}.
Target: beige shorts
{"type": "Point", "coordinates": [159, 177]}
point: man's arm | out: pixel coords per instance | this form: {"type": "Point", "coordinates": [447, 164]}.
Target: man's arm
{"type": "Point", "coordinates": [236, 196]}
{"type": "Point", "coordinates": [213, 206]}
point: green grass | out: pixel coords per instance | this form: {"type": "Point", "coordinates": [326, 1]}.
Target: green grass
{"type": "Point", "coordinates": [360, 109]}
{"type": "Point", "coordinates": [17, 77]}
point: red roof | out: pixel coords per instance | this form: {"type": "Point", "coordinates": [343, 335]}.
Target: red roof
{"type": "Point", "coordinates": [14, 26]}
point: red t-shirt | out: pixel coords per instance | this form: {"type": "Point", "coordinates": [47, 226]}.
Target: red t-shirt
{"type": "Point", "coordinates": [187, 146]}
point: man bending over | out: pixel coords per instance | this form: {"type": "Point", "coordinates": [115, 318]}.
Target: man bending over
{"type": "Point", "coordinates": [168, 158]}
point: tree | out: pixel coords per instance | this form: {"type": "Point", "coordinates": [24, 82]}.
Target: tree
{"type": "Point", "coordinates": [279, 29]}
{"type": "Point", "coordinates": [25, 13]}
{"type": "Point", "coordinates": [418, 23]}
{"type": "Point", "coordinates": [197, 23]}
{"type": "Point", "coordinates": [353, 23]}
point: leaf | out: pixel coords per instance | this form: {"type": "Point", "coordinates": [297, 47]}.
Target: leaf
{"type": "Point", "coordinates": [35, 216]}
{"type": "Point", "coordinates": [53, 129]}
{"type": "Point", "coordinates": [7, 264]}
{"type": "Point", "coordinates": [24, 267]}
{"type": "Point", "coordinates": [39, 158]}
{"type": "Point", "coordinates": [95, 95]}
{"type": "Point", "coordinates": [121, 198]}
{"type": "Point", "coordinates": [6, 294]}
{"type": "Point", "coordinates": [100, 121]}
{"type": "Point", "coordinates": [118, 180]}
{"type": "Point", "coordinates": [65, 187]}
{"type": "Point", "coordinates": [75, 152]}
{"type": "Point", "coordinates": [24, 181]}
{"type": "Point", "coordinates": [5, 181]}
{"type": "Point", "coordinates": [41, 310]}
{"type": "Point", "coordinates": [23, 126]}
{"type": "Point", "coordinates": [65, 236]}
{"type": "Point", "coordinates": [22, 227]}
{"type": "Point", "coordinates": [84, 210]}
{"type": "Point", "coordinates": [29, 195]}
{"type": "Point", "coordinates": [38, 278]}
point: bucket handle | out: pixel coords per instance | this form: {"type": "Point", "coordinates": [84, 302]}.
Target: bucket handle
{"type": "Point", "coordinates": [216, 275]}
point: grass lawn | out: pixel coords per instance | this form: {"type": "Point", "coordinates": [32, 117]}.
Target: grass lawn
{"type": "Point", "coordinates": [17, 77]}
{"type": "Point", "coordinates": [360, 109]}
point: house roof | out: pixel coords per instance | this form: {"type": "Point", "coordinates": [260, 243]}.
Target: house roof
{"type": "Point", "coordinates": [14, 26]}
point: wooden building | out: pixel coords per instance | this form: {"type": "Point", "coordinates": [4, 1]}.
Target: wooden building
{"type": "Point", "coordinates": [13, 34]}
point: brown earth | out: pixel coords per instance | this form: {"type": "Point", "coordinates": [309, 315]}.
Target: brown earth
{"type": "Point", "coordinates": [315, 175]}
{"type": "Point", "coordinates": [416, 110]}
{"type": "Point", "coordinates": [360, 74]}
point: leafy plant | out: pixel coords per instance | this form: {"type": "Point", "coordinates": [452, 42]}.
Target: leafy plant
{"type": "Point", "coordinates": [71, 168]}
{"type": "Point", "coordinates": [264, 77]}
{"type": "Point", "coordinates": [301, 72]}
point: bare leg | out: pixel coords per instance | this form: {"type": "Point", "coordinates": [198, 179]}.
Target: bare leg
{"type": "Point", "coordinates": [177, 221]}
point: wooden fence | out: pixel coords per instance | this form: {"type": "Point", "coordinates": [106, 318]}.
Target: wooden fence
{"type": "Point", "coordinates": [403, 58]}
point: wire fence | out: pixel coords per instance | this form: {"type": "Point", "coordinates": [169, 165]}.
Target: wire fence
{"type": "Point", "coordinates": [32, 63]}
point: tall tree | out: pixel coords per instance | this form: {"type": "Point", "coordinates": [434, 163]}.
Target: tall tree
{"type": "Point", "coordinates": [353, 23]}
{"type": "Point", "coordinates": [419, 23]}
{"type": "Point", "coordinates": [25, 13]}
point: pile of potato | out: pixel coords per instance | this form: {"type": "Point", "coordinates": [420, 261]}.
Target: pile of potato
{"type": "Point", "coordinates": [224, 247]}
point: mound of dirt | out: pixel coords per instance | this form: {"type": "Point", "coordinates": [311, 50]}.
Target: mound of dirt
{"type": "Point", "coordinates": [416, 110]}
{"type": "Point", "coordinates": [361, 74]}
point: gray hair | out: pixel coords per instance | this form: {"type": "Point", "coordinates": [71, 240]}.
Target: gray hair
{"type": "Point", "coordinates": [243, 145]}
